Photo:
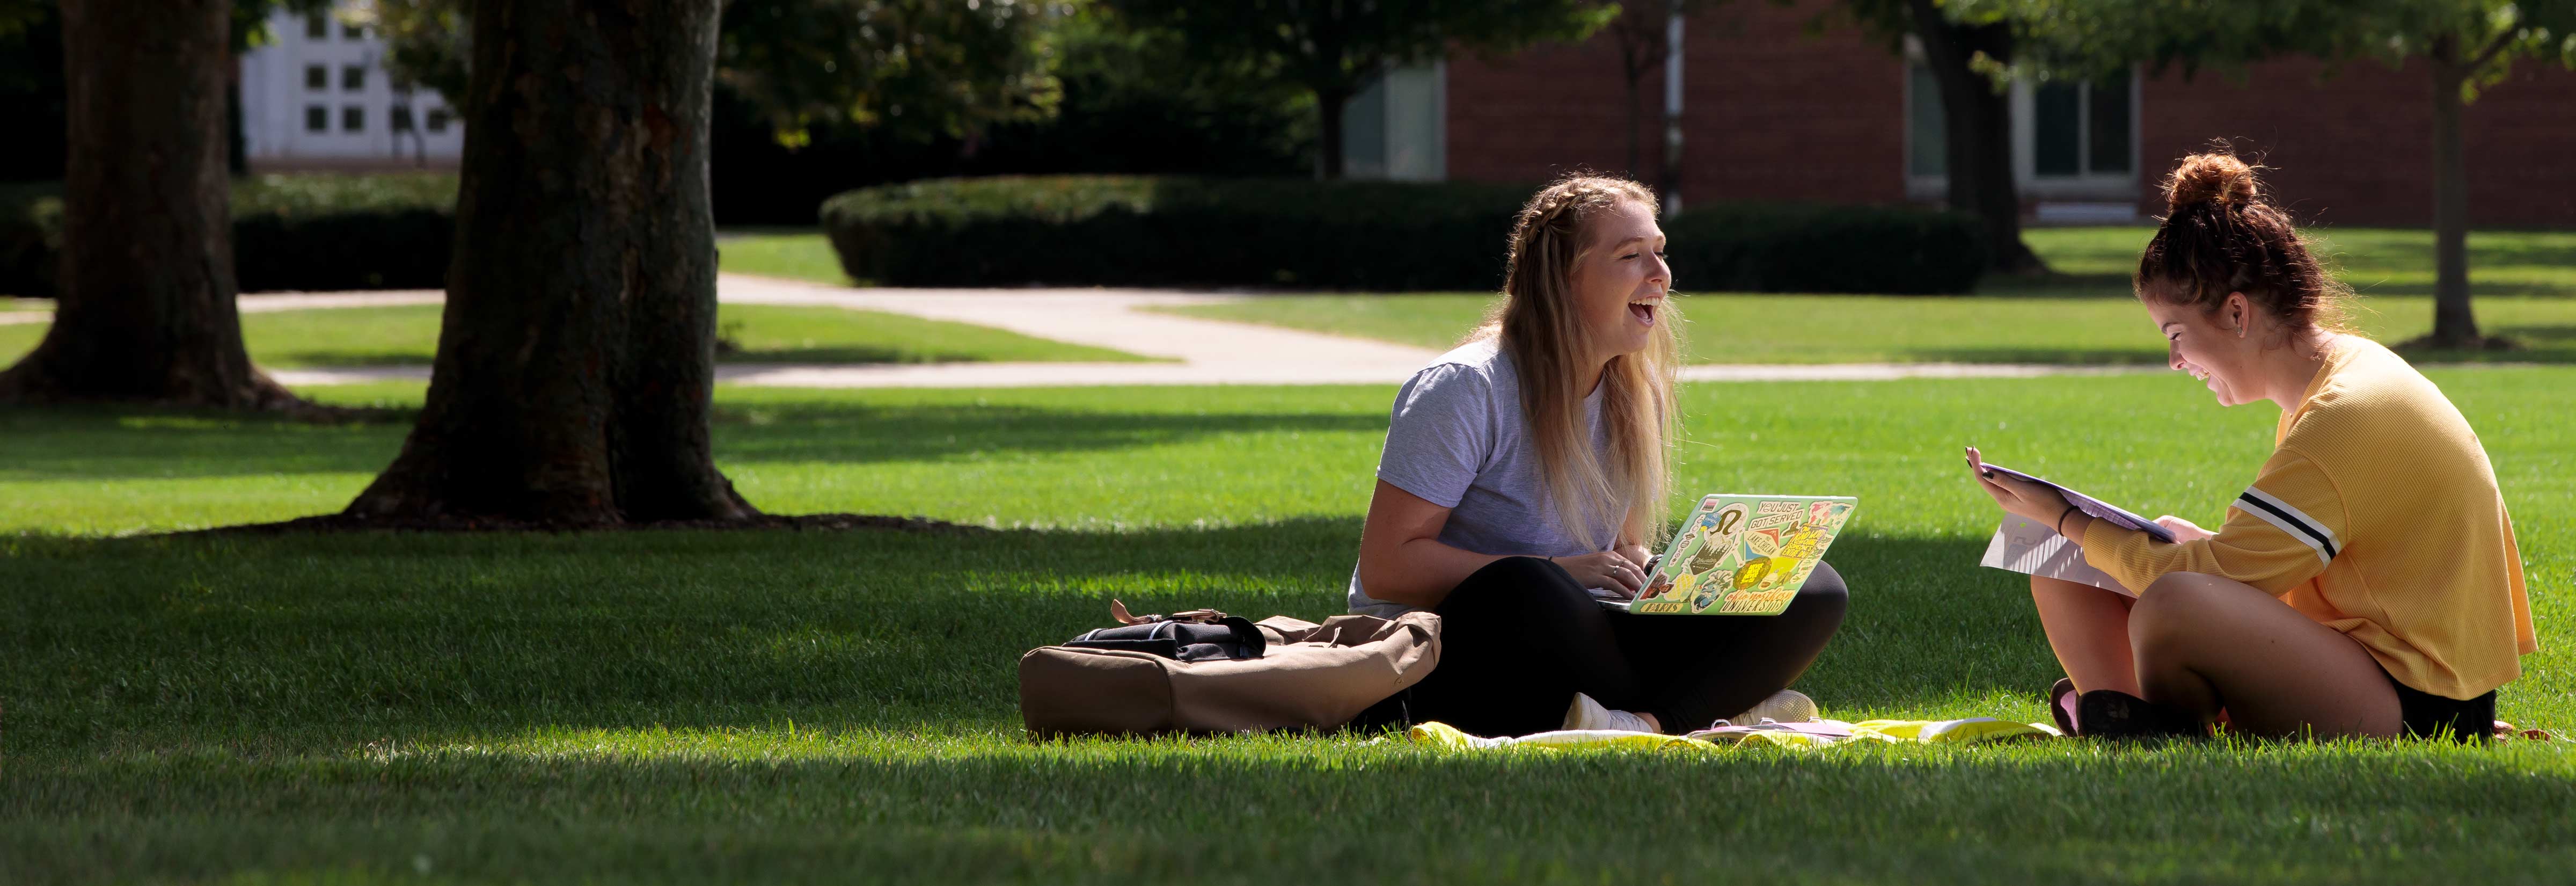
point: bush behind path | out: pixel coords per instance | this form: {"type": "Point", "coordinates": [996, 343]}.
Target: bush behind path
{"type": "Point", "coordinates": [1164, 231]}
{"type": "Point", "coordinates": [302, 231]}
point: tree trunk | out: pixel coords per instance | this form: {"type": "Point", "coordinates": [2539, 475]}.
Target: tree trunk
{"type": "Point", "coordinates": [576, 360]}
{"type": "Point", "coordinates": [1328, 161]}
{"type": "Point", "coordinates": [1633, 120]}
{"type": "Point", "coordinates": [1978, 140]}
{"type": "Point", "coordinates": [2454, 325]}
{"type": "Point", "coordinates": [145, 302]}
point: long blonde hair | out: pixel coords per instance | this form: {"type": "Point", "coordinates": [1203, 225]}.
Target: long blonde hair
{"type": "Point", "coordinates": [1541, 331]}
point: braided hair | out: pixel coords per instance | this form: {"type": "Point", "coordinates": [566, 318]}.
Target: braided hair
{"type": "Point", "coordinates": [1623, 483]}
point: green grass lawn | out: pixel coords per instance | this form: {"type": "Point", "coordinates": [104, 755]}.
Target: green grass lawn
{"type": "Point", "coordinates": [779, 252]}
{"type": "Point", "coordinates": [2376, 262]}
{"type": "Point", "coordinates": [1744, 329]}
{"type": "Point", "coordinates": [357, 337]}
{"type": "Point", "coordinates": [797, 706]}
{"type": "Point", "coordinates": [2082, 316]}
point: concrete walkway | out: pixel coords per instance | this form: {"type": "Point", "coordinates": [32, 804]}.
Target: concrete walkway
{"type": "Point", "coordinates": [1203, 352]}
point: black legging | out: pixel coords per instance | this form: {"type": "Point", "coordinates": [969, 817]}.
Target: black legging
{"type": "Point", "coordinates": [1520, 637]}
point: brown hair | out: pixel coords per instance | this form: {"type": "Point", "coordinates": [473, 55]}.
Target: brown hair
{"type": "Point", "coordinates": [1542, 332]}
{"type": "Point", "coordinates": [2220, 236]}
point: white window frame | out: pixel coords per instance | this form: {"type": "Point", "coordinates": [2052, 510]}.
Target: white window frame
{"type": "Point", "coordinates": [2025, 140]}
{"type": "Point", "coordinates": [2025, 101]}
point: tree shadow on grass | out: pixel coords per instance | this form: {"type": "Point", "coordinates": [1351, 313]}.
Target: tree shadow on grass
{"type": "Point", "coordinates": [1132, 813]}
{"type": "Point", "coordinates": [309, 643]}
{"type": "Point", "coordinates": [111, 444]}
{"type": "Point", "coordinates": [2552, 345]}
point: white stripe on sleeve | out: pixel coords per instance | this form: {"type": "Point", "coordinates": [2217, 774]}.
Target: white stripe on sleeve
{"type": "Point", "coordinates": [2290, 520]}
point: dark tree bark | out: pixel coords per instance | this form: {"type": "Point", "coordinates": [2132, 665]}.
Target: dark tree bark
{"type": "Point", "coordinates": [2454, 325]}
{"type": "Point", "coordinates": [1978, 121]}
{"type": "Point", "coordinates": [576, 361]}
{"type": "Point", "coordinates": [1329, 104]}
{"type": "Point", "coordinates": [145, 302]}
{"type": "Point", "coordinates": [1639, 33]}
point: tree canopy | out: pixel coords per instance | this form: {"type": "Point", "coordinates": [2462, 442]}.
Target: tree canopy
{"type": "Point", "coordinates": [932, 67]}
{"type": "Point", "coordinates": [2464, 45]}
{"type": "Point", "coordinates": [1335, 48]}
{"type": "Point", "coordinates": [2091, 37]}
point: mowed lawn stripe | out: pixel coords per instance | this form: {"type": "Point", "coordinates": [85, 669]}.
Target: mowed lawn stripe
{"type": "Point", "coordinates": [1750, 329]}
{"type": "Point", "coordinates": [2082, 314]}
{"type": "Point", "coordinates": [749, 333]}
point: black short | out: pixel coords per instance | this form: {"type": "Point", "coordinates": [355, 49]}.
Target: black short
{"type": "Point", "coordinates": [2426, 715]}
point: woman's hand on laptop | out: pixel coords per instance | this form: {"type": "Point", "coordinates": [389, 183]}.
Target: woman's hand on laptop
{"type": "Point", "coordinates": [1608, 571]}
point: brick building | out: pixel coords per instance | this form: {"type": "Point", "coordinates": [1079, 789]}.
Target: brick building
{"type": "Point", "coordinates": [1775, 111]}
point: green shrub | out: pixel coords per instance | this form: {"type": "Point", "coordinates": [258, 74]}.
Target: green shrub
{"type": "Point", "coordinates": [1138, 230]}
{"type": "Point", "coordinates": [304, 231]}
{"type": "Point", "coordinates": [1792, 248]}
{"type": "Point", "coordinates": [31, 235]}
{"type": "Point", "coordinates": [1133, 230]}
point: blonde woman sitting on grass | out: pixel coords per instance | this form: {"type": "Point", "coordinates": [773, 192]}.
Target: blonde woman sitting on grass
{"type": "Point", "coordinates": [1528, 466]}
{"type": "Point", "coordinates": [2365, 584]}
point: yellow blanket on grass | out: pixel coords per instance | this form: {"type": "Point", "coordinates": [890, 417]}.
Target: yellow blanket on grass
{"type": "Point", "coordinates": [1444, 737]}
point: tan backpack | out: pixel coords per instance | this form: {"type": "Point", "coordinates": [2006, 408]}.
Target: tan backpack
{"type": "Point", "coordinates": [1299, 675]}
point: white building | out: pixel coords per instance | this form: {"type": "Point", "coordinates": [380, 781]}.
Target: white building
{"type": "Point", "coordinates": [318, 97]}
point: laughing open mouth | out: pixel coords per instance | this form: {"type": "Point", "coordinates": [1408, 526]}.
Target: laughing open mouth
{"type": "Point", "coordinates": [1644, 311]}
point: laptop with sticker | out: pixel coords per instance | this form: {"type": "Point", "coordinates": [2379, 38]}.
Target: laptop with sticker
{"type": "Point", "coordinates": [1740, 555]}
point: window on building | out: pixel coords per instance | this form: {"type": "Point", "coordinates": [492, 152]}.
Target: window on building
{"type": "Point", "coordinates": [317, 118]}
{"type": "Point", "coordinates": [317, 26]}
{"type": "Point", "coordinates": [399, 118]}
{"type": "Point", "coordinates": [353, 78]}
{"type": "Point", "coordinates": [1927, 147]}
{"type": "Point", "coordinates": [353, 119]}
{"type": "Point", "coordinates": [317, 77]}
{"type": "Point", "coordinates": [2071, 140]}
{"type": "Point", "coordinates": [2080, 129]}
{"type": "Point", "coordinates": [437, 120]}
{"type": "Point", "coordinates": [352, 31]}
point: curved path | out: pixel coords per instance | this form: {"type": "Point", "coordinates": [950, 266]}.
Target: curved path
{"type": "Point", "coordinates": [1204, 352]}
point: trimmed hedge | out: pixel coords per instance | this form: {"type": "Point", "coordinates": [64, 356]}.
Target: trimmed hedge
{"type": "Point", "coordinates": [1798, 248]}
{"type": "Point", "coordinates": [1143, 230]}
{"type": "Point", "coordinates": [31, 235]}
{"type": "Point", "coordinates": [312, 233]}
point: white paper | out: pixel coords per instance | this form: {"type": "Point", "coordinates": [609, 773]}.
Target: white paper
{"type": "Point", "coordinates": [2029, 548]}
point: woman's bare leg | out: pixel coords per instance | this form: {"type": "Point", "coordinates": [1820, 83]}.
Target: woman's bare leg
{"type": "Point", "coordinates": [2088, 627]}
{"type": "Point", "coordinates": [2205, 642]}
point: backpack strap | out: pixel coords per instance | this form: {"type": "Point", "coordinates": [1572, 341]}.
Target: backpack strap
{"type": "Point", "coordinates": [1118, 612]}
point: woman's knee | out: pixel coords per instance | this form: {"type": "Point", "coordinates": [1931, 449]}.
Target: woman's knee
{"type": "Point", "coordinates": [2177, 607]}
{"type": "Point", "coordinates": [1824, 597]}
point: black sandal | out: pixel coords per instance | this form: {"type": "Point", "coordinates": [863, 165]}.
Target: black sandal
{"type": "Point", "coordinates": [2112, 714]}
{"type": "Point", "coordinates": [2061, 705]}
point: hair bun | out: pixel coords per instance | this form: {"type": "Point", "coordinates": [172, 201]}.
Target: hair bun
{"type": "Point", "coordinates": [2216, 178]}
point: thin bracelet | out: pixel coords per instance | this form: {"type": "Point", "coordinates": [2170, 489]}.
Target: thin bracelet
{"type": "Point", "coordinates": [2060, 525]}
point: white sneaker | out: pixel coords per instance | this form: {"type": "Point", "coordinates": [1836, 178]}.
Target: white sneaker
{"type": "Point", "coordinates": [1785, 706]}
{"type": "Point", "coordinates": [1586, 714]}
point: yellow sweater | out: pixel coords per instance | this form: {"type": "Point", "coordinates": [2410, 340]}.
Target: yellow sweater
{"type": "Point", "coordinates": [2377, 516]}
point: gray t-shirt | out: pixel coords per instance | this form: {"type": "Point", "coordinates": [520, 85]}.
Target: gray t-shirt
{"type": "Point", "coordinates": [1459, 440]}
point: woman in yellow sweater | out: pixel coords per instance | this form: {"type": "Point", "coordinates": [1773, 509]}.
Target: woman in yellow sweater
{"type": "Point", "coordinates": [2366, 584]}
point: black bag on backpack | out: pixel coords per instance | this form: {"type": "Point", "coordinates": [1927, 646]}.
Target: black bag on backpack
{"type": "Point", "coordinates": [1227, 637]}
